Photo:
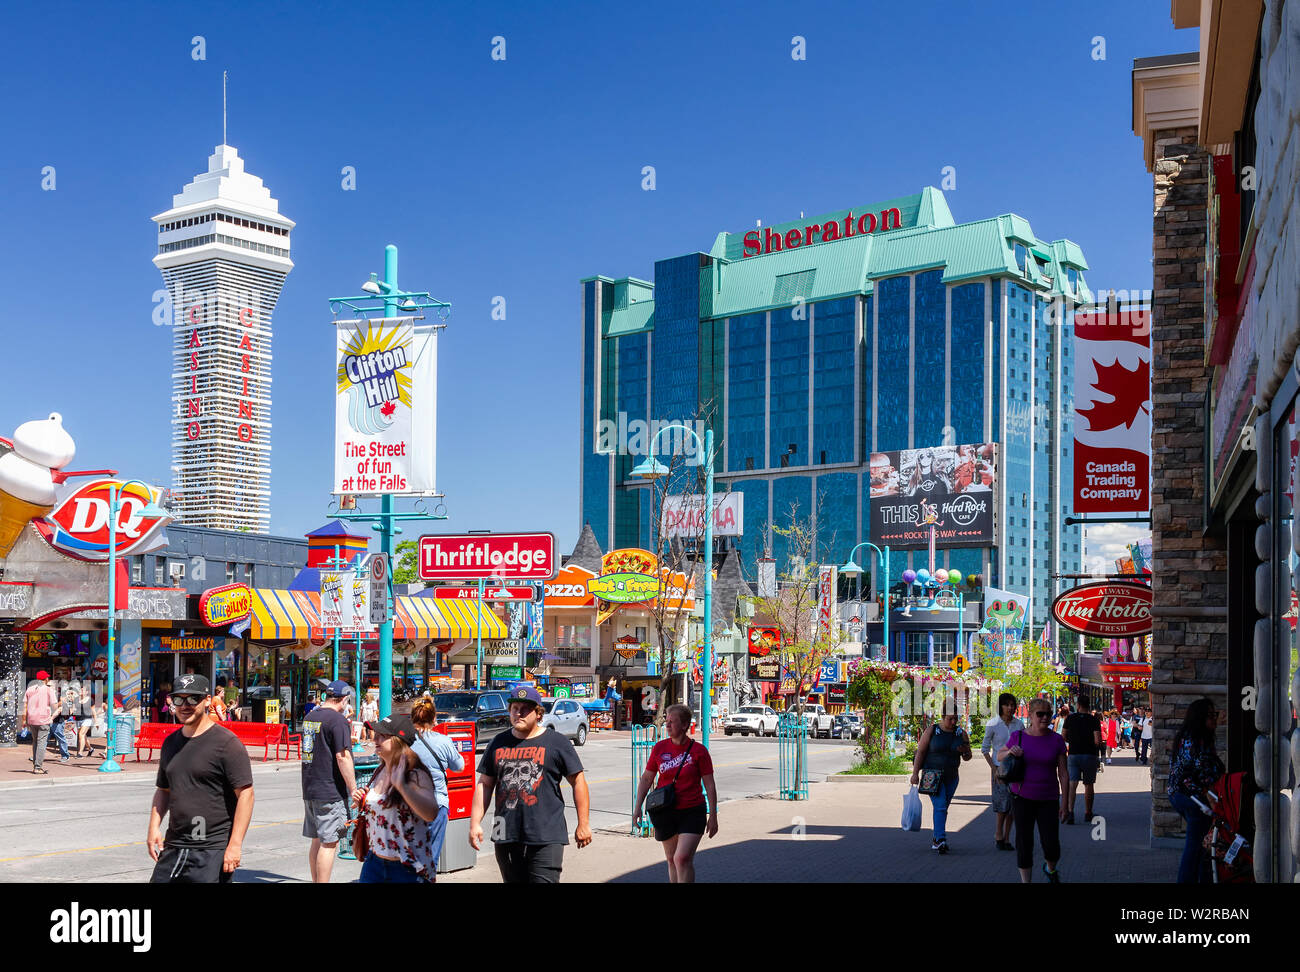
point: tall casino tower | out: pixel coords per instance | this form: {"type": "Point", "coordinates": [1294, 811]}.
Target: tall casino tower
{"type": "Point", "coordinates": [223, 251]}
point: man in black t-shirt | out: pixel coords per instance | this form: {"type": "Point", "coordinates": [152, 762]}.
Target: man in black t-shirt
{"type": "Point", "coordinates": [205, 782]}
{"type": "Point", "coordinates": [328, 778]}
{"type": "Point", "coordinates": [1082, 732]}
{"type": "Point", "coordinates": [523, 768]}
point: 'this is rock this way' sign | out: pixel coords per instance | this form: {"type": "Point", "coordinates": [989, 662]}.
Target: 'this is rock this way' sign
{"type": "Point", "coordinates": [384, 418]}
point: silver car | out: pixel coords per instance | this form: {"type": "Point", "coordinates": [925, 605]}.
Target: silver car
{"type": "Point", "coordinates": [566, 717]}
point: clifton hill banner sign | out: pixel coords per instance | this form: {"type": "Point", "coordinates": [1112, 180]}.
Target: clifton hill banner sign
{"type": "Point", "coordinates": [1105, 610]}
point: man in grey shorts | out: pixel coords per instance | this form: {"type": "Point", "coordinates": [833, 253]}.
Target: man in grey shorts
{"type": "Point", "coordinates": [1082, 732]}
{"type": "Point", "coordinates": [328, 778]}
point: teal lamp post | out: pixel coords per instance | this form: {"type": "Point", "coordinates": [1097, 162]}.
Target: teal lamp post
{"type": "Point", "coordinates": [151, 509]}
{"type": "Point", "coordinates": [383, 294]}
{"type": "Point", "coordinates": [851, 569]}
{"type": "Point", "coordinates": [652, 469]}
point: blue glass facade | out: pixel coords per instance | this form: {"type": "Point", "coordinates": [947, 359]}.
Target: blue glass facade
{"type": "Point", "coordinates": [834, 329]}
{"type": "Point", "coordinates": [966, 389]}
{"type": "Point", "coordinates": [676, 366]}
{"type": "Point", "coordinates": [929, 340]}
{"type": "Point", "coordinates": [788, 411]}
{"type": "Point", "coordinates": [757, 537]}
{"type": "Point", "coordinates": [595, 467]}
{"type": "Point", "coordinates": [893, 364]}
{"type": "Point", "coordinates": [837, 516]}
{"type": "Point", "coordinates": [746, 408]}
{"type": "Point", "coordinates": [792, 503]}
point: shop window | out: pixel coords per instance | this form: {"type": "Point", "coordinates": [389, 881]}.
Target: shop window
{"type": "Point", "coordinates": [158, 570]}
{"type": "Point", "coordinates": [137, 570]}
{"type": "Point", "coordinates": [917, 648]}
{"type": "Point", "coordinates": [230, 573]}
{"type": "Point", "coordinates": [945, 647]}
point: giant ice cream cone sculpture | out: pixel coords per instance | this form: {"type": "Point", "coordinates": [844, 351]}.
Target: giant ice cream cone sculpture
{"type": "Point", "coordinates": [26, 475]}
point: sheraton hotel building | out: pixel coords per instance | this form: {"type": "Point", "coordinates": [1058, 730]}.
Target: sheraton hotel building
{"type": "Point", "coordinates": [810, 345]}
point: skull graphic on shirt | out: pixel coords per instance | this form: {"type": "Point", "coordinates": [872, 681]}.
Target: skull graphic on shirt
{"type": "Point", "coordinates": [519, 780]}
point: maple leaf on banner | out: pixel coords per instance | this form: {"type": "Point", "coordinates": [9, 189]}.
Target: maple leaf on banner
{"type": "Point", "coordinates": [388, 408]}
{"type": "Point", "coordinates": [1130, 391]}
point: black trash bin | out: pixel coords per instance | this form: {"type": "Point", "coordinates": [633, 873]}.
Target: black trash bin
{"type": "Point", "coordinates": [365, 767]}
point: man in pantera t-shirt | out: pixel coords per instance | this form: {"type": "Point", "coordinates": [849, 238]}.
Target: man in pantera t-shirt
{"type": "Point", "coordinates": [523, 768]}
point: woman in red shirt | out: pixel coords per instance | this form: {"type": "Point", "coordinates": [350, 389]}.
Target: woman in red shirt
{"type": "Point", "coordinates": [685, 764]}
{"type": "Point", "coordinates": [1110, 733]}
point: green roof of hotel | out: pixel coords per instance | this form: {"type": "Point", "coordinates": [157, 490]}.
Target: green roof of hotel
{"type": "Point", "coordinates": [928, 239]}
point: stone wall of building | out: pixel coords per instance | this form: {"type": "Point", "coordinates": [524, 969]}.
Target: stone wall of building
{"type": "Point", "coordinates": [1189, 567]}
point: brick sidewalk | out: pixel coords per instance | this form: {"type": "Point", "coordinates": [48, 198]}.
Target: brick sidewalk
{"type": "Point", "coordinates": [850, 832]}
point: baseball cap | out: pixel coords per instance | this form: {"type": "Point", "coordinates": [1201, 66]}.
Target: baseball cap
{"type": "Point", "coordinates": [42, 675]}
{"type": "Point", "coordinates": [397, 725]}
{"type": "Point", "coordinates": [192, 685]}
{"type": "Point", "coordinates": [525, 693]}
{"type": "Point", "coordinates": [338, 690]}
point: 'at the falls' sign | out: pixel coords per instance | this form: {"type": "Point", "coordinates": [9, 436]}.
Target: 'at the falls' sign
{"type": "Point", "coordinates": [1105, 610]}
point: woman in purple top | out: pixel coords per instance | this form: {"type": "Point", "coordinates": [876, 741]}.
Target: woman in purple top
{"type": "Point", "coordinates": [1041, 797]}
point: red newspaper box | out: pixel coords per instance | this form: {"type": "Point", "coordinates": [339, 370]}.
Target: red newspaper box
{"type": "Point", "coordinates": [457, 853]}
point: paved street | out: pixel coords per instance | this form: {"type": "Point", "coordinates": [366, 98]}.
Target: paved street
{"type": "Point", "coordinates": [69, 829]}
{"type": "Point", "coordinates": [75, 825]}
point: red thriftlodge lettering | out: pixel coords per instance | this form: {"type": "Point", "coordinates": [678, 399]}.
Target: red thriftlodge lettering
{"type": "Point", "coordinates": [866, 223]}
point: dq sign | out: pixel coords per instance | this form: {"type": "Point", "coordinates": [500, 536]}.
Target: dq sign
{"type": "Point", "coordinates": [1105, 610]}
{"type": "Point", "coordinates": [78, 525]}
{"type": "Point", "coordinates": [225, 605]}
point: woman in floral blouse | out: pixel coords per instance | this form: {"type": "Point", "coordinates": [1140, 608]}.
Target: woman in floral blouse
{"type": "Point", "coordinates": [397, 808]}
{"type": "Point", "coordinates": [1194, 768]}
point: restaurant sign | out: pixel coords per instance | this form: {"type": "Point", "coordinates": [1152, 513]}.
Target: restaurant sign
{"type": "Point", "coordinates": [225, 605]}
{"type": "Point", "coordinates": [626, 577]}
{"type": "Point", "coordinates": [1105, 610]}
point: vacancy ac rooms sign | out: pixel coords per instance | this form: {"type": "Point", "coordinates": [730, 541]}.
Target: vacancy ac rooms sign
{"type": "Point", "coordinates": [1112, 411]}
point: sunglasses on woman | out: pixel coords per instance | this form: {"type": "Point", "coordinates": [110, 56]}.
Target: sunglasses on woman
{"type": "Point", "coordinates": [1042, 714]}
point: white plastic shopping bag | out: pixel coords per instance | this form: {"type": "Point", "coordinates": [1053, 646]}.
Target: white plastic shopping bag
{"type": "Point", "coordinates": [912, 810]}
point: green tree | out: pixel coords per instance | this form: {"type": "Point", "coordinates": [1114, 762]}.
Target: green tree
{"type": "Point", "coordinates": [1035, 674]}
{"type": "Point", "coordinates": [407, 568]}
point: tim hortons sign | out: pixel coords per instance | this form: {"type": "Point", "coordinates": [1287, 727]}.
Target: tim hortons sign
{"type": "Point", "coordinates": [1105, 610]}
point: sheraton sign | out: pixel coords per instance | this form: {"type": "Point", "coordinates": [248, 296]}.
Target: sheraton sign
{"type": "Point", "coordinates": [1105, 610]}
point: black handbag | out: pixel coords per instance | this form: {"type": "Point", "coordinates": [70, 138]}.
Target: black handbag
{"type": "Point", "coordinates": [1012, 769]}
{"type": "Point", "coordinates": [665, 797]}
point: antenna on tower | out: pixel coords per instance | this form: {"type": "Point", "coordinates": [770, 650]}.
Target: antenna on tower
{"type": "Point", "coordinates": [224, 76]}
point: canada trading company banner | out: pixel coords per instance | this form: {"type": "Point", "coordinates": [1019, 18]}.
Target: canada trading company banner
{"type": "Point", "coordinates": [385, 399]}
{"type": "Point", "coordinates": [1112, 412]}
{"type": "Point", "coordinates": [949, 487]}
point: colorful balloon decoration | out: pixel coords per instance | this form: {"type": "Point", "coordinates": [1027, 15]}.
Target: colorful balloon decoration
{"type": "Point", "coordinates": [909, 577]}
{"type": "Point", "coordinates": [954, 577]}
{"type": "Point", "coordinates": [923, 575]}
{"type": "Point", "coordinates": [941, 575]}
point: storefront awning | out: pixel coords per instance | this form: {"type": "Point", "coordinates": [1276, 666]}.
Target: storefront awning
{"type": "Point", "coordinates": [295, 616]}
{"type": "Point", "coordinates": [284, 615]}
{"type": "Point", "coordinates": [430, 619]}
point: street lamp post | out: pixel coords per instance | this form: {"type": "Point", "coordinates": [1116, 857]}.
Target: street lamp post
{"type": "Point", "coordinates": [392, 300]}
{"type": "Point", "coordinates": [151, 509]}
{"type": "Point", "coordinates": [653, 469]}
{"type": "Point", "coordinates": [478, 671]}
{"type": "Point", "coordinates": [851, 569]}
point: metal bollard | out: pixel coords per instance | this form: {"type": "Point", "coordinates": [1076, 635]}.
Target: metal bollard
{"type": "Point", "coordinates": [792, 756]}
{"type": "Point", "coordinates": [643, 740]}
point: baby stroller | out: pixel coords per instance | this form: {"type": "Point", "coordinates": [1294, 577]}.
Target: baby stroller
{"type": "Point", "coordinates": [1230, 842]}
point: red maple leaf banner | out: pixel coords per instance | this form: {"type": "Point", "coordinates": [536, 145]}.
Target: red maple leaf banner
{"type": "Point", "coordinates": [1130, 391]}
{"type": "Point", "coordinates": [388, 408]}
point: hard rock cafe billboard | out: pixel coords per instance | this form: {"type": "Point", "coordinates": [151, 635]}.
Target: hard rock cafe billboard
{"type": "Point", "coordinates": [949, 488]}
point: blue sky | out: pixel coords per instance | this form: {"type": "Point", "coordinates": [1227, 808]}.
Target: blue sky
{"type": "Point", "coordinates": [513, 178]}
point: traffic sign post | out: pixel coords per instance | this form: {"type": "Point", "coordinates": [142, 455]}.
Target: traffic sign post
{"type": "Point", "coordinates": [959, 664]}
{"type": "Point", "coordinates": [379, 612]}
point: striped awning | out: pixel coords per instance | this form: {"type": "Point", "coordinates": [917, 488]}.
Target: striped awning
{"type": "Point", "coordinates": [285, 615]}
{"type": "Point", "coordinates": [430, 618]}
{"type": "Point", "coordinates": [295, 615]}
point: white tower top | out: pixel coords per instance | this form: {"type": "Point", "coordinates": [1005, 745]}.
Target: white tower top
{"type": "Point", "coordinates": [226, 182]}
